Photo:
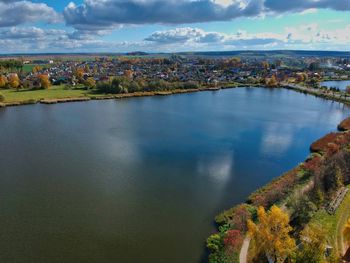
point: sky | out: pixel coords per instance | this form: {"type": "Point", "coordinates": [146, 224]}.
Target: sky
{"type": "Point", "coordinates": [42, 26]}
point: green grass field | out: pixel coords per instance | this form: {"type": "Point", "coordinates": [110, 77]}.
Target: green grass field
{"type": "Point", "coordinates": [29, 67]}
{"type": "Point", "coordinates": [55, 92]}
{"type": "Point", "coordinates": [333, 224]}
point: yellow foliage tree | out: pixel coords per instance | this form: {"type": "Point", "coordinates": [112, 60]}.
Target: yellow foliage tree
{"type": "Point", "coordinates": [44, 81]}
{"type": "Point", "coordinates": [90, 83]}
{"type": "Point", "coordinates": [271, 234]}
{"type": "Point", "coordinates": [36, 69]}
{"type": "Point", "coordinates": [3, 82]}
{"type": "Point", "coordinates": [272, 82]}
{"type": "Point", "coordinates": [79, 74]}
{"type": "Point", "coordinates": [128, 74]}
{"type": "Point", "coordinates": [14, 81]}
{"type": "Point", "coordinates": [347, 232]}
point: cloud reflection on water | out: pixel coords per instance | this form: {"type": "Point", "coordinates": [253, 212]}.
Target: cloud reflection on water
{"type": "Point", "coordinates": [218, 166]}
{"type": "Point", "coordinates": [277, 138]}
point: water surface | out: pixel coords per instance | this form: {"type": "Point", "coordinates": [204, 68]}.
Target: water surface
{"type": "Point", "coordinates": [140, 180]}
{"type": "Point", "coordinates": [340, 84]}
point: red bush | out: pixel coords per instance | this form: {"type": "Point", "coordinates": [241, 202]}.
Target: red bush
{"type": "Point", "coordinates": [313, 164]}
{"type": "Point", "coordinates": [344, 125]}
{"type": "Point", "coordinates": [274, 191]}
{"type": "Point", "coordinates": [240, 217]}
{"type": "Point", "coordinates": [233, 240]}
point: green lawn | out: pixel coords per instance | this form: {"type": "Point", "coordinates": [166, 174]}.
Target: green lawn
{"type": "Point", "coordinates": [29, 67]}
{"type": "Point", "coordinates": [55, 92]}
{"type": "Point", "coordinates": [333, 224]}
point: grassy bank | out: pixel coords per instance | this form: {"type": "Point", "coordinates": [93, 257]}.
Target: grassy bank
{"type": "Point", "coordinates": [55, 92]}
{"type": "Point", "coordinates": [340, 96]}
{"type": "Point", "coordinates": [333, 224]}
{"type": "Point", "coordinates": [62, 93]}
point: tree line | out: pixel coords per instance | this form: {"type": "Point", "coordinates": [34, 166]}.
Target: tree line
{"type": "Point", "coordinates": [12, 81]}
{"type": "Point", "coordinates": [119, 85]}
{"type": "Point", "coordinates": [6, 65]}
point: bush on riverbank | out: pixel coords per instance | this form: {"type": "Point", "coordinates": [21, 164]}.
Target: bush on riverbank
{"type": "Point", "coordinates": [2, 97]}
{"type": "Point", "coordinates": [237, 216]}
{"type": "Point", "coordinates": [344, 125]}
{"type": "Point", "coordinates": [274, 191]}
{"type": "Point", "coordinates": [120, 85]}
{"type": "Point", "coordinates": [225, 246]}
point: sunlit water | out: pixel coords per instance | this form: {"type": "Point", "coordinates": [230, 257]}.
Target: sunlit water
{"type": "Point", "coordinates": [340, 84]}
{"type": "Point", "coordinates": [140, 180]}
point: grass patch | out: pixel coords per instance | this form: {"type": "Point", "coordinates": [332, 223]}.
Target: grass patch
{"type": "Point", "coordinates": [27, 68]}
{"type": "Point", "coordinates": [55, 92]}
{"type": "Point", "coordinates": [333, 224]}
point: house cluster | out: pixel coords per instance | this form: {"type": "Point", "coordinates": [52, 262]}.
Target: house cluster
{"type": "Point", "coordinates": [178, 68]}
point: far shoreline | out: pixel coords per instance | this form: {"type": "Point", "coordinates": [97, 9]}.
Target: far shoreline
{"type": "Point", "coordinates": [342, 98]}
{"type": "Point", "coordinates": [117, 96]}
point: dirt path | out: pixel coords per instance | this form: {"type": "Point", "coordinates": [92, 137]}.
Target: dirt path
{"type": "Point", "coordinates": [244, 251]}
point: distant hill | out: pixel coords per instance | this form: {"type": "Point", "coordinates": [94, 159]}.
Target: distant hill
{"type": "Point", "coordinates": [274, 53]}
{"type": "Point", "coordinates": [241, 53]}
{"type": "Point", "coordinates": [137, 53]}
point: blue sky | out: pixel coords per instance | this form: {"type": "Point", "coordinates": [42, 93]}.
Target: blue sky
{"type": "Point", "coordinates": [172, 25]}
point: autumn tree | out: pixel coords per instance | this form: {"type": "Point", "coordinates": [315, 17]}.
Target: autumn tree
{"type": "Point", "coordinates": [313, 246]}
{"type": "Point", "coordinates": [271, 234]}
{"type": "Point", "coordinates": [347, 232]}
{"type": "Point", "coordinates": [13, 81]}
{"type": "Point", "coordinates": [233, 240]}
{"type": "Point", "coordinates": [44, 81]}
{"type": "Point", "coordinates": [301, 77]}
{"type": "Point", "coordinates": [90, 83]}
{"type": "Point", "coordinates": [128, 74]}
{"type": "Point", "coordinates": [347, 89]}
{"type": "Point", "coordinates": [3, 82]}
{"type": "Point", "coordinates": [36, 69]}
{"type": "Point", "coordinates": [272, 82]}
{"type": "Point", "coordinates": [265, 65]}
{"type": "Point", "coordinates": [79, 74]}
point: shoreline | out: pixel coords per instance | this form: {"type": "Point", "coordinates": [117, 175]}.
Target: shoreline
{"type": "Point", "coordinates": [292, 182]}
{"type": "Point", "coordinates": [93, 97]}
{"type": "Point", "coordinates": [338, 97]}
{"type": "Point", "coordinates": [107, 97]}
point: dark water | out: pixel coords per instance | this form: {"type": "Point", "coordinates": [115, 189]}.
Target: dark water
{"type": "Point", "coordinates": [340, 84]}
{"type": "Point", "coordinates": [140, 180]}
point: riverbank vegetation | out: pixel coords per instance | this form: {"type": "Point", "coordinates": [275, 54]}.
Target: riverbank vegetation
{"type": "Point", "coordinates": [300, 205]}
{"type": "Point", "coordinates": [120, 85]}
{"type": "Point", "coordinates": [14, 93]}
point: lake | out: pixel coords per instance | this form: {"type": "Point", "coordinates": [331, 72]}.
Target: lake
{"type": "Point", "coordinates": [141, 179]}
{"type": "Point", "coordinates": [340, 84]}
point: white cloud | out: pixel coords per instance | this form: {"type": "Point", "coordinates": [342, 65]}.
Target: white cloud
{"type": "Point", "coordinates": [107, 14]}
{"type": "Point", "coordinates": [309, 11]}
{"type": "Point", "coordinates": [102, 14]}
{"type": "Point", "coordinates": [34, 39]}
{"type": "Point", "coordinates": [313, 34]}
{"type": "Point", "coordinates": [13, 13]}
{"type": "Point", "coordinates": [298, 36]}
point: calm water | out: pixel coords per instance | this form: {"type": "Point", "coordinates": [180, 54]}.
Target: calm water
{"type": "Point", "coordinates": [341, 84]}
{"type": "Point", "coordinates": [140, 180]}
